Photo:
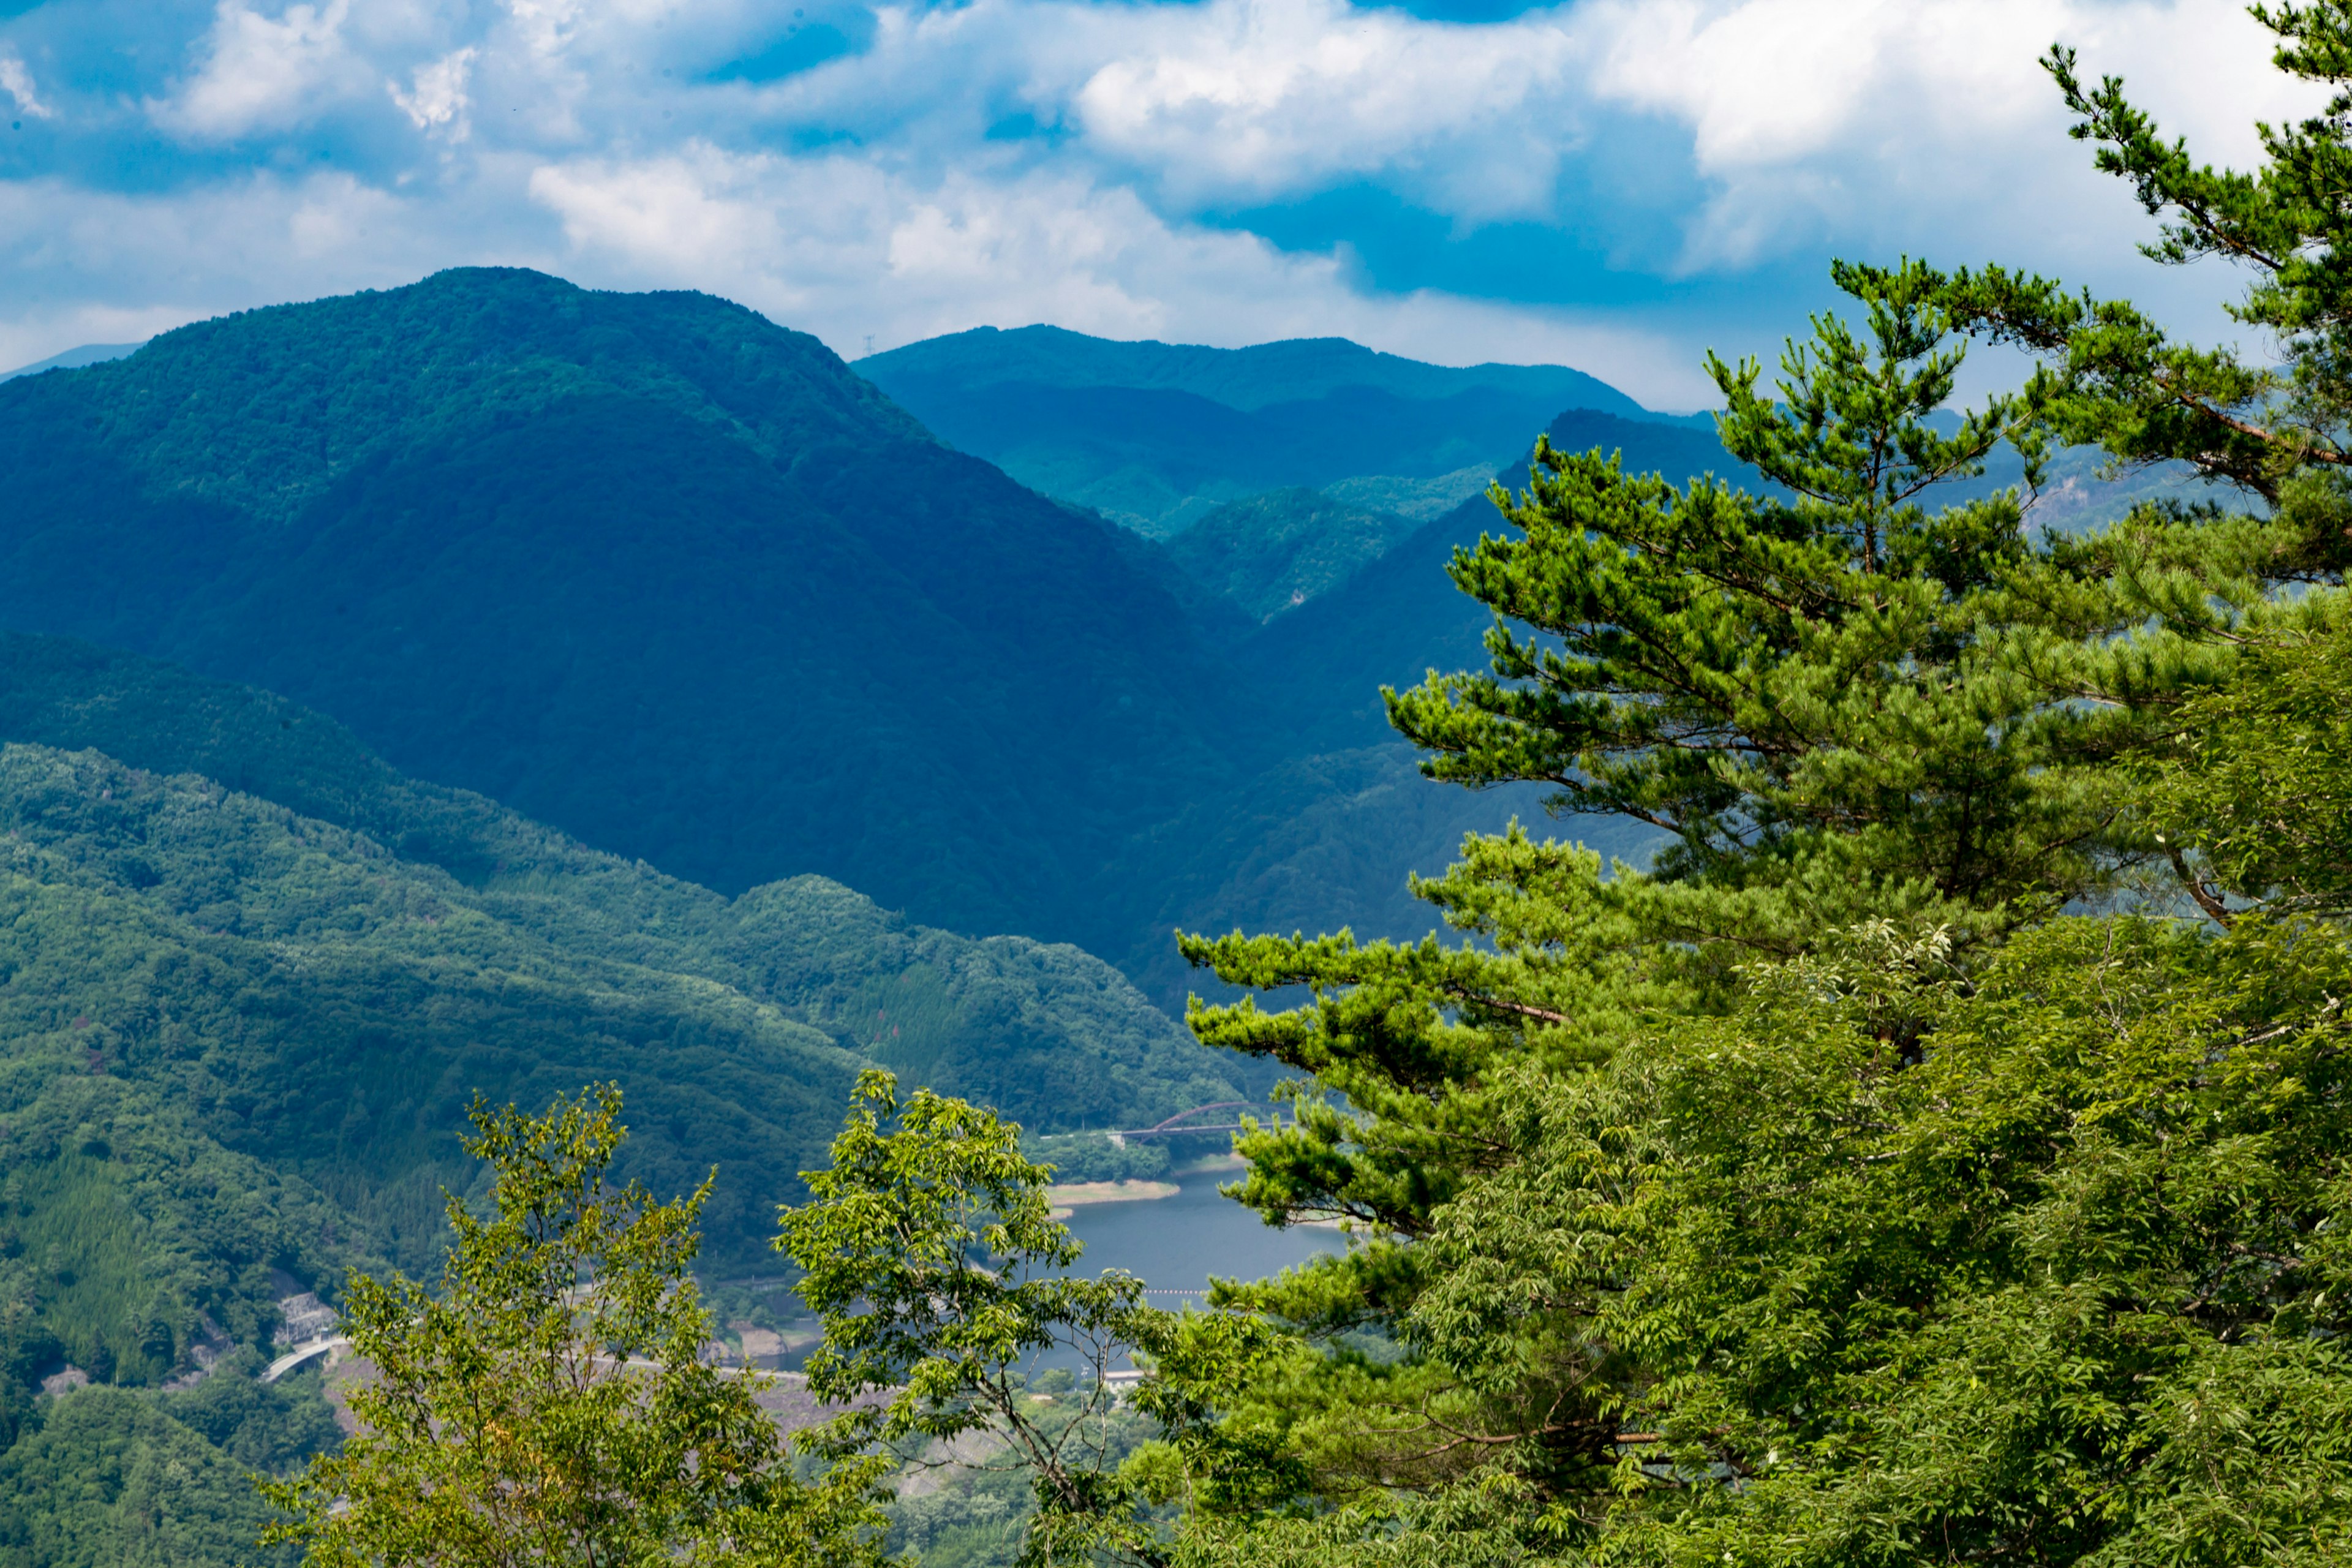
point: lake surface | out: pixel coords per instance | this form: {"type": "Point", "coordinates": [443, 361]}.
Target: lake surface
{"type": "Point", "coordinates": [1174, 1244]}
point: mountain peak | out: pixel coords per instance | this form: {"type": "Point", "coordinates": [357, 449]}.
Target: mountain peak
{"type": "Point", "coordinates": [647, 566]}
{"type": "Point", "coordinates": [1286, 371]}
{"type": "Point", "coordinates": [263, 409]}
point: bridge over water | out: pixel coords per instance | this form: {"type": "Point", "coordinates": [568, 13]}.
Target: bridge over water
{"type": "Point", "coordinates": [1181, 1123]}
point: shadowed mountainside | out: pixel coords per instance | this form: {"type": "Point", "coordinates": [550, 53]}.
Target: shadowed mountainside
{"type": "Point", "coordinates": [644, 565]}
{"type": "Point", "coordinates": [1159, 435]}
{"type": "Point", "coordinates": [340, 954]}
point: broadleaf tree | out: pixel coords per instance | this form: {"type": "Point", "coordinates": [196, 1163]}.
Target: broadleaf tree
{"type": "Point", "coordinates": [550, 1401]}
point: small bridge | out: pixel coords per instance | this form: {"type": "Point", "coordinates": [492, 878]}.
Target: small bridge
{"type": "Point", "coordinates": [303, 1354]}
{"type": "Point", "coordinates": [1182, 1123]}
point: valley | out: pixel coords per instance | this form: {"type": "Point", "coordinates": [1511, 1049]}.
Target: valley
{"type": "Point", "coordinates": [490, 686]}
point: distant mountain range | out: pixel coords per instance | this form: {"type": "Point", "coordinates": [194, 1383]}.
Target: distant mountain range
{"type": "Point", "coordinates": [75, 358]}
{"type": "Point", "coordinates": [1158, 435]}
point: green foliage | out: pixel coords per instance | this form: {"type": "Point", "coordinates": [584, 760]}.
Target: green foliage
{"type": "Point", "coordinates": [1273, 552]}
{"type": "Point", "coordinates": [624, 563]}
{"type": "Point", "coordinates": [931, 1254]}
{"type": "Point", "coordinates": [548, 1402]}
{"type": "Point", "coordinates": [2017, 1291]}
{"type": "Point", "coordinates": [269, 1427]}
{"type": "Point", "coordinates": [1795, 690]}
{"type": "Point", "coordinates": [2255, 778]}
{"type": "Point", "coordinates": [111, 1480]}
{"type": "Point", "coordinates": [105, 1475]}
{"type": "Point", "coordinates": [1091, 1157]}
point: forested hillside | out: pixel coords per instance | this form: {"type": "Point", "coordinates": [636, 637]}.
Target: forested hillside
{"type": "Point", "coordinates": [243, 952]}
{"type": "Point", "coordinates": [1271, 554]}
{"type": "Point", "coordinates": [674, 579]}
{"type": "Point", "coordinates": [1159, 435]}
{"type": "Point", "coordinates": [644, 566]}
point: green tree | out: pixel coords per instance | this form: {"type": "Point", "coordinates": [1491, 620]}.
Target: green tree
{"type": "Point", "coordinates": [1937, 1221]}
{"type": "Point", "coordinates": [549, 1403]}
{"type": "Point", "coordinates": [2254, 781]}
{"type": "Point", "coordinates": [929, 1250]}
{"type": "Point", "coordinates": [2067, 1289]}
{"type": "Point", "coordinates": [1807, 687]}
{"type": "Point", "coordinates": [2274, 425]}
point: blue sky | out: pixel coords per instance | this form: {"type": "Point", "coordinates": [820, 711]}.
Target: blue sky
{"type": "Point", "coordinates": [1615, 185]}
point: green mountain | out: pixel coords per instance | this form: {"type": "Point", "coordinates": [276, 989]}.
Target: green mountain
{"type": "Point", "coordinates": [250, 975]}
{"type": "Point", "coordinates": [251, 971]}
{"type": "Point", "coordinates": [1159, 435]}
{"type": "Point", "coordinates": [1401, 615]}
{"type": "Point", "coordinates": [1297, 370]}
{"type": "Point", "coordinates": [72, 359]}
{"type": "Point", "coordinates": [1273, 552]}
{"type": "Point", "coordinates": [646, 567]}
{"type": "Point", "coordinates": [673, 580]}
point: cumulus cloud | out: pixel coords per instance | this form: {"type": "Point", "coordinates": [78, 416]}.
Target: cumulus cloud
{"type": "Point", "coordinates": [435, 100]}
{"type": "Point", "coordinates": [1677, 172]}
{"type": "Point", "coordinates": [1261, 99]}
{"type": "Point", "coordinates": [18, 83]}
{"type": "Point", "coordinates": [1926, 121]}
{"type": "Point", "coordinates": [261, 72]}
{"type": "Point", "coordinates": [865, 257]}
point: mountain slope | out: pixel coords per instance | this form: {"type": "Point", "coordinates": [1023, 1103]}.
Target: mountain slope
{"type": "Point", "coordinates": [644, 566]}
{"type": "Point", "coordinates": [1401, 614]}
{"type": "Point", "coordinates": [1156, 435]}
{"type": "Point", "coordinates": [1292, 371]}
{"type": "Point", "coordinates": [1273, 552]}
{"type": "Point", "coordinates": [340, 954]}
{"type": "Point", "coordinates": [240, 1026]}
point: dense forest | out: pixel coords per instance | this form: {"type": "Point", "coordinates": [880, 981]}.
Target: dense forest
{"type": "Point", "coordinates": [679, 582]}
{"type": "Point", "coordinates": [252, 976]}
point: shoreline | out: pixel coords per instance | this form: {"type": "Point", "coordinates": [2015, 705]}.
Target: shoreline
{"type": "Point", "coordinates": [1068, 1196]}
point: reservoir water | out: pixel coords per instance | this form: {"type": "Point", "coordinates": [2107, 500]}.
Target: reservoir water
{"type": "Point", "coordinates": [1174, 1244]}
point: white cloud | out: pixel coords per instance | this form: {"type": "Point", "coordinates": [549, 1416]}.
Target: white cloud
{"type": "Point", "coordinates": [437, 97]}
{"type": "Point", "coordinates": [107, 267]}
{"type": "Point", "coordinates": [1923, 121]}
{"type": "Point", "coordinates": [18, 83]}
{"type": "Point", "coordinates": [262, 73]}
{"type": "Point", "coordinates": [839, 248]}
{"type": "Point", "coordinates": [1260, 98]}
{"type": "Point", "coordinates": [1006, 161]}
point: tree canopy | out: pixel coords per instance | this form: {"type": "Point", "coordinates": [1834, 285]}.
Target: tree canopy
{"type": "Point", "coordinates": [1934, 1154]}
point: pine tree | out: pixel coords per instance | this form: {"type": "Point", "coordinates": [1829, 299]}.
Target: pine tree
{"type": "Point", "coordinates": [1887, 731]}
